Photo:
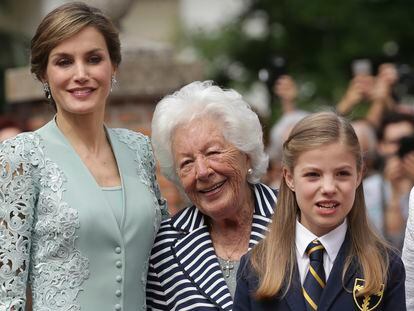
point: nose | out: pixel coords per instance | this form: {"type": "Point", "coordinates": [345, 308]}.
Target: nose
{"type": "Point", "coordinates": [328, 185]}
{"type": "Point", "coordinates": [81, 72]}
{"type": "Point", "coordinates": [202, 168]}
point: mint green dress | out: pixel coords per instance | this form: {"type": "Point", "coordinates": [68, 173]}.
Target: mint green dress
{"type": "Point", "coordinates": [78, 247]}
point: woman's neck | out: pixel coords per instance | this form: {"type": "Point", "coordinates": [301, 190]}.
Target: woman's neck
{"type": "Point", "coordinates": [83, 131]}
{"type": "Point", "coordinates": [231, 235]}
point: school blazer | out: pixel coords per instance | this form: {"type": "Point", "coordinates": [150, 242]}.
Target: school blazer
{"type": "Point", "coordinates": [334, 296]}
{"type": "Point", "coordinates": [184, 272]}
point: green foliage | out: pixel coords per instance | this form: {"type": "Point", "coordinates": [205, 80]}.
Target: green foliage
{"type": "Point", "coordinates": [318, 38]}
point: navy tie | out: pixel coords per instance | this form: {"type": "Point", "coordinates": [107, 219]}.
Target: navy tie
{"type": "Point", "coordinates": [315, 279]}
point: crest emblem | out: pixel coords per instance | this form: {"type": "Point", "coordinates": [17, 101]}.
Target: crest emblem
{"type": "Point", "coordinates": [366, 303]}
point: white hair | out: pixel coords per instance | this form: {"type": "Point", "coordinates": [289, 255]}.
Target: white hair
{"type": "Point", "coordinates": [240, 125]}
{"type": "Point", "coordinates": [280, 132]}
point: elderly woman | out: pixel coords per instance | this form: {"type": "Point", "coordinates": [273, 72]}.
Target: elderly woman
{"type": "Point", "coordinates": [209, 143]}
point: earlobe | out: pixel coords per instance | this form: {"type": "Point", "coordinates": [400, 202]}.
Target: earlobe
{"type": "Point", "coordinates": [288, 179]}
{"type": "Point", "coordinates": [359, 179]}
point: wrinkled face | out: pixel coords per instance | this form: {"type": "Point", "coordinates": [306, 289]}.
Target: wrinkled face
{"type": "Point", "coordinates": [211, 170]}
{"type": "Point", "coordinates": [79, 73]}
{"type": "Point", "coordinates": [324, 181]}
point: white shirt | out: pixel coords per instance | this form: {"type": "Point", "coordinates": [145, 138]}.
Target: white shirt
{"type": "Point", "coordinates": [331, 241]}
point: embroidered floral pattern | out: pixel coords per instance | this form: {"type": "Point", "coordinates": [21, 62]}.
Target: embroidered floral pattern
{"type": "Point", "coordinates": [141, 145]}
{"type": "Point", "coordinates": [35, 220]}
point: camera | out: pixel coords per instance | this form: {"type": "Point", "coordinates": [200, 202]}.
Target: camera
{"type": "Point", "coordinates": [406, 146]}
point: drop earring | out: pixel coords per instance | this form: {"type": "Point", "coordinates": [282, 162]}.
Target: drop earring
{"type": "Point", "coordinates": [113, 82]}
{"type": "Point", "coordinates": [46, 89]}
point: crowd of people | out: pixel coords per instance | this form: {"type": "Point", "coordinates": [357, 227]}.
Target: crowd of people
{"type": "Point", "coordinates": [83, 225]}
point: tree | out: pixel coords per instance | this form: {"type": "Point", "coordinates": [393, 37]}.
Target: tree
{"type": "Point", "coordinates": [318, 39]}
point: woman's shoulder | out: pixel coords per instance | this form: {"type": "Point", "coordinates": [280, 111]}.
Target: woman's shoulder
{"type": "Point", "coordinates": [130, 137]}
{"type": "Point", "coordinates": [137, 142]}
{"type": "Point", "coordinates": [172, 228]}
{"type": "Point", "coordinates": [25, 147]}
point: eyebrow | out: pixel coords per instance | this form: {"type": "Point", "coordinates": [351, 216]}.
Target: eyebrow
{"type": "Point", "coordinates": [61, 54]}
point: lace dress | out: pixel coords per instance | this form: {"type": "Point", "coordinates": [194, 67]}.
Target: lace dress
{"type": "Point", "coordinates": [58, 232]}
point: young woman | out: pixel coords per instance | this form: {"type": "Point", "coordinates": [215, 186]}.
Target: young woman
{"type": "Point", "coordinates": [320, 252]}
{"type": "Point", "coordinates": [80, 205]}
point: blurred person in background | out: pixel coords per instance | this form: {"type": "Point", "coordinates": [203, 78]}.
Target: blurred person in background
{"type": "Point", "coordinates": [376, 90]}
{"type": "Point", "coordinates": [397, 174]}
{"type": "Point", "coordinates": [286, 91]}
{"type": "Point", "coordinates": [80, 204]}
{"type": "Point", "coordinates": [372, 179]}
{"type": "Point", "coordinates": [209, 143]}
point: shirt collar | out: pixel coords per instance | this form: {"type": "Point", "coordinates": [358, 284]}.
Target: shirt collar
{"type": "Point", "coordinates": [332, 241]}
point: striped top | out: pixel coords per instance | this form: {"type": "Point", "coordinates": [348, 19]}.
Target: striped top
{"type": "Point", "coordinates": [184, 271]}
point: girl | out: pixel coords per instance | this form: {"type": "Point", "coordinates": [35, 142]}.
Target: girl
{"type": "Point", "coordinates": [321, 213]}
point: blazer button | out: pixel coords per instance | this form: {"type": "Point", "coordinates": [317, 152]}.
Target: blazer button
{"type": "Point", "coordinates": [118, 307]}
{"type": "Point", "coordinates": [118, 278]}
{"type": "Point", "coordinates": [118, 264]}
{"type": "Point", "coordinates": [118, 293]}
{"type": "Point", "coordinates": [118, 250]}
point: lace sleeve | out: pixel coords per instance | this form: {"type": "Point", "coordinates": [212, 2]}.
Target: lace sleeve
{"type": "Point", "coordinates": [17, 199]}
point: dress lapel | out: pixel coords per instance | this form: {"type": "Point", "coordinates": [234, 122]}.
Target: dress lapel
{"type": "Point", "coordinates": [196, 257]}
{"type": "Point", "coordinates": [68, 159]}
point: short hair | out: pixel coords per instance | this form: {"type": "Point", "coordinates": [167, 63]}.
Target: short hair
{"type": "Point", "coordinates": [64, 22]}
{"type": "Point", "coordinates": [393, 118]}
{"type": "Point", "coordinates": [240, 125]}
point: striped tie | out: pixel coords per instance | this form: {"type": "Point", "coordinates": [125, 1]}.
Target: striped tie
{"type": "Point", "coordinates": [315, 279]}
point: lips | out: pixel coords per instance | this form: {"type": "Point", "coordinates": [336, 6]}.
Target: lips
{"type": "Point", "coordinates": [327, 204]}
{"type": "Point", "coordinates": [212, 188]}
{"type": "Point", "coordinates": [81, 92]}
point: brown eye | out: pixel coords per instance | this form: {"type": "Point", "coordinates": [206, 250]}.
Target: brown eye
{"type": "Point", "coordinates": [95, 59]}
{"type": "Point", "coordinates": [63, 62]}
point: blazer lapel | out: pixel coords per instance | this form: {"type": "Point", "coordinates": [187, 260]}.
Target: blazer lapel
{"type": "Point", "coordinates": [196, 257]}
{"type": "Point", "coordinates": [294, 297]}
{"type": "Point", "coordinates": [195, 252]}
{"type": "Point", "coordinates": [335, 284]}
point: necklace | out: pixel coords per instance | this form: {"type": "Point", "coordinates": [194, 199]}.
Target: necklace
{"type": "Point", "coordinates": [227, 267]}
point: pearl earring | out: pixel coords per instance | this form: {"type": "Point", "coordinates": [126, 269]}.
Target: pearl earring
{"type": "Point", "coordinates": [249, 171]}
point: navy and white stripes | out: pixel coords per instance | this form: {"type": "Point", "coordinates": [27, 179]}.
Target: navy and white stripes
{"type": "Point", "coordinates": [184, 272]}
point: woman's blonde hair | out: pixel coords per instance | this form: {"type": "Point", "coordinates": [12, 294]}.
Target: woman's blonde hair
{"type": "Point", "coordinates": [274, 259]}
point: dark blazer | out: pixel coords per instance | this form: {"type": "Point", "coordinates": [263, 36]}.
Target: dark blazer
{"type": "Point", "coordinates": [334, 297]}
{"type": "Point", "coordinates": [184, 272]}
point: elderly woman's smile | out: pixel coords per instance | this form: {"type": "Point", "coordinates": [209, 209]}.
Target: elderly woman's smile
{"type": "Point", "coordinates": [209, 143]}
{"type": "Point", "coordinates": [212, 171]}
{"type": "Point", "coordinates": [215, 188]}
